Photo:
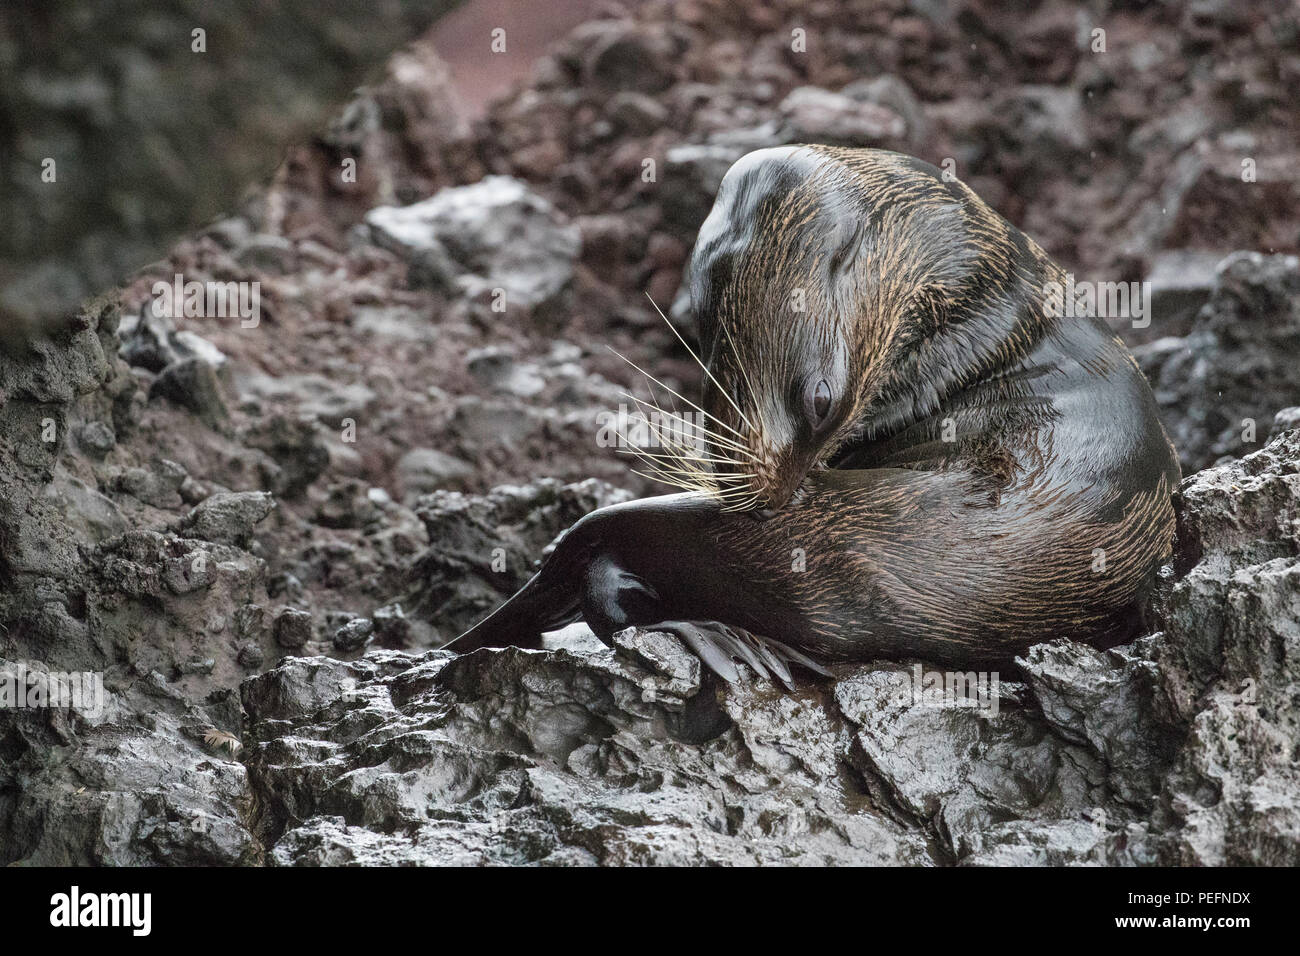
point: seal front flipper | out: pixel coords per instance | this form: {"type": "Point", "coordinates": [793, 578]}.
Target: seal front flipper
{"type": "Point", "coordinates": [550, 600]}
{"type": "Point", "coordinates": [719, 646]}
{"type": "Point", "coordinates": [614, 598]}
{"type": "Point", "coordinates": [578, 579]}
{"type": "Point", "coordinates": [587, 577]}
{"type": "Point", "coordinates": [539, 606]}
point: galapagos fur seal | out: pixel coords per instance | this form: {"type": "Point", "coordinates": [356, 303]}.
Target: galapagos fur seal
{"type": "Point", "coordinates": [908, 455]}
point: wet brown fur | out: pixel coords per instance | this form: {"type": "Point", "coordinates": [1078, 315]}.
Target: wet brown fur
{"type": "Point", "coordinates": [992, 539]}
{"type": "Point", "coordinates": [989, 476]}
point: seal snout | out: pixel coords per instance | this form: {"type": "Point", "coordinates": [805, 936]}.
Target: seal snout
{"type": "Point", "coordinates": [790, 490]}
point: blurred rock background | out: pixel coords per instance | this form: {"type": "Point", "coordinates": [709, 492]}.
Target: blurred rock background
{"type": "Point", "coordinates": [385, 455]}
{"type": "Point", "coordinates": [124, 124]}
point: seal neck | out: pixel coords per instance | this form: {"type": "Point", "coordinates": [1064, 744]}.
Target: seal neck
{"type": "Point", "coordinates": [951, 359]}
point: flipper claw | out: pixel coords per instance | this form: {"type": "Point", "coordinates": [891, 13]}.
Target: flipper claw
{"type": "Point", "coordinates": [718, 646]}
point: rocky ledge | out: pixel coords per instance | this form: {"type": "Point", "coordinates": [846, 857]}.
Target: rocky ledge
{"type": "Point", "coordinates": [1178, 748]}
{"type": "Point", "coordinates": [181, 593]}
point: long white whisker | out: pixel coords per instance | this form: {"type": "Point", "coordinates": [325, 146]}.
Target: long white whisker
{"type": "Point", "coordinates": [723, 391]}
{"type": "Point", "coordinates": [717, 439]}
{"type": "Point", "coordinates": [753, 392]}
{"type": "Point", "coordinates": [672, 392]}
{"type": "Point", "coordinates": [641, 453]}
{"type": "Point", "coordinates": [677, 447]}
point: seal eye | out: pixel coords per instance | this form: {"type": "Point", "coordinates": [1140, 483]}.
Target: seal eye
{"type": "Point", "coordinates": [817, 404]}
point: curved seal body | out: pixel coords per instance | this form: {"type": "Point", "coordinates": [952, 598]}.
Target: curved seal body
{"type": "Point", "coordinates": [914, 447]}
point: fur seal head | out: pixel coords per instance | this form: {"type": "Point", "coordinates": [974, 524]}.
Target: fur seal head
{"type": "Point", "coordinates": [816, 272]}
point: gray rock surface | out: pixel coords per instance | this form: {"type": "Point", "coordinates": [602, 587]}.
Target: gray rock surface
{"type": "Point", "coordinates": [814, 115]}
{"type": "Point", "coordinates": [1230, 652]}
{"type": "Point", "coordinates": [494, 235]}
{"type": "Point", "coordinates": [424, 470]}
{"type": "Point", "coordinates": [1181, 284]}
{"type": "Point", "coordinates": [152, 130]}
{"type": "Point", "coordinates": [1220, 386]}
{"type": "Point", "coordinates": [229, 518]}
